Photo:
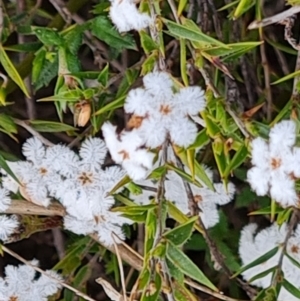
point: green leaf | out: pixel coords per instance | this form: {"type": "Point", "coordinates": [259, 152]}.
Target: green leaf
{"type": "Point", "coordinates": [105, 31]}
{"type": "Point", "coordinates": [11, 70]}
{"type": "Point", "coordinates": [238, 159]}
{"type": "Point", "coordinates": [295, 262]}
{"type": "Point", "coordinates": [174, 271]}
{"type": "Point", "coordinates": [5, 166]}
{"type": "Point", "coordinates": [185, 265]}
{"type": "Point", "coordinates": [183, 65]}
{"type": "Point", "coordinates": [50, 126]}
{"type": "Point", "coordinates": [130, 77]}
{"type": "Point", "coordinates": [7, 123]}
{"type": "Point", "coordinates": [263, 274]}
{"type": "Point", "coordinates": [103, 76]}
{"type": "Point", "coordinates": [285, 110]}
{"type": "Point", "coordinates": [199, 170]}
{"type": "Point", "coordinates": [291, 288]}
{"type": "Point", "coordinates": [191, 34]}
{"type": "Point", "coordinates": [201, 140]}
{"type": "Point", "coordinates": [117, 103]}
{"type": "Point", "coordinates": [44, 68]}
{"type": "Point", "coordinates": [243, 6]}
{"type": "Point", "coordinates": [26, 47]}
{"type": "Point", "coordinates": [181, 6]}
{"type": "Point", "coordinates": [212, 128]}
{"type": "Point", "coordinates": [179, 235]}
{"type": "Point", "coordinates": [220, 157]}
{"type": "Point", "coordinates": [282, 47]}
{"type": "Point", "coordinates": [240, 48]}
{"type": "Point", "coordinates": [147, 42]}
{"type": "Point", "coordinates": [48, 36]}
{"type": "Point", "coordinates": [152, 293]}
{"type": "Point", "coordinates": [287, 77]}
{"type": "Point", "coordinates": [72, 260]}
{"type": "Point", "coordinates": [257, 261]}
{"type": "Point", "coordinates": [182, 174]}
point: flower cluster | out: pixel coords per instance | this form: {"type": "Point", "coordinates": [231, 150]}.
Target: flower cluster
{"type": "Point", "coordinates": [207, 199]}
{"type": "Point", "coordinates": [125, 15]}
{"type": "Point", "coordinates": [8, 223]}
{"type": "Point", "coordinates": [254, 246]}
{"type": "Point", "coordinates": [276, 164]}
{"type": "Point", "coordinates": [77, 181]}
{"type": "Point", "coordinates": [20, 283]}
{"type": "Point", "coordinates": [157, 113]}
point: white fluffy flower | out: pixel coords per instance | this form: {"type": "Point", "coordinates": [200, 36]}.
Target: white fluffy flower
{"type": "Point", "coordinates": [8, 225]}
{"type": "Point", "coordinates": [5, 199]}
{"type": "Point", "coordinates": [125, 15]}
{"type": "Point", "coordinates": [126, 149]}
{"type": "Point", "coordinates": [207, 200]}
{"type": "Point", "coordinates": [161, 113]}
{"type": "Point", "coordinates": [254, 245]}
{"type": "Point", "coordinates": [274, 164]}
{"type": "Point", "coordinates": [21, 284]}
{"type": "Point", "coordinates": [104, 225]}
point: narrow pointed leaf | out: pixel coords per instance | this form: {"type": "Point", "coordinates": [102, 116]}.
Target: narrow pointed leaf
{"type": "Point", "coordinates": [179, 259]}
{"type": "Point", "coordinates": [5, 166]}
{"type": "Point", "coordinates": [257, 261]}
{"type": "Point", "coordinates": [117, 103]}
{"type": "Point", "coordinates": [50, 126]}
{"type": "Point", "coordinates": [191, 34]}
{"type": "Point", "coordinates": [291, 288]}
{"type": "Point", "coordinates": [12, 71]}
{"type": "Point", "coordinates": [179, 235]}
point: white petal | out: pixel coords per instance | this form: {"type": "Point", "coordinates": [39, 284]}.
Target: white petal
{"type": "Point", "coordinates": [260, 152]}
{"type": "Point", "coordinates": [209, 213]}
{"type": "Point", "coordinates": [283, 190]}
{"type": "Point", "coordinates": [8, 225]}
{"type": "Point", "coordinates": [224, 195]}
{"type": "Point", "coordinates": [93, 151]}
{"type": "Point", "coordinates": [5, 199]}
{"type": "Point", "coordinates": [190, 100]}
{"type": "Point", "coordinates": [259, 180]}
{"type": "Point", "coordinates": [137, 102]}
{"type": "Point", "coordinates": [158, 83]}
{"type": "Point", "coordinates": [175, 191]}
{"type": "Point", "coordinates": [183, 132]}
{"type": "Point", "coordinates": [283, 134]}
{"type": "Point", "coordinates": [34, 150]}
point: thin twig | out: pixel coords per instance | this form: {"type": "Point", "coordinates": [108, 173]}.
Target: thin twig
{"type": "Point", "coordinates": [32, 131]}
{"type": "Point", "coordinates": [296, 82]}
{"type": "Point", "coordinates": [276, 18]}
{"type": "Point", "coordinates": [23, 207]}
{"type": "Point", "coordinates": [267, 77]}
{"type": "Point", "coordinates": [288, 35]}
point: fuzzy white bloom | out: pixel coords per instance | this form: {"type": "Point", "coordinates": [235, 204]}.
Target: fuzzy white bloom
{"type": "Point", "coordinates": [20, 283]}
{"type": "Point", "coordinates": [207, 200]}
{"type": "Point", "coordinates": [275, 164]}
{"type": "Point", "coordinates": [126, 149]}
{"type": "Point", "coordinates": [159, 112]}
{"type": "Point", "coordinates": [5, 199]}
{"type": "Point", "coordinates": [125, 15]}
{"type": "Point", "coordinates": [104, 225]}
{"type": "Point", "coordinates": [8, 225]}
{"type": "Point", "coordinates": [254, 245]}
